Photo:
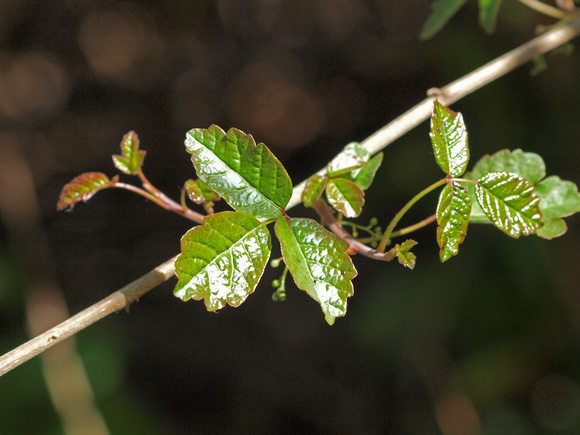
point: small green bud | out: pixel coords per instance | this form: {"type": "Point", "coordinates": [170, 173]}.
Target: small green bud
{"type": "Point", "coordinates": [276, 283]}
{"type": "Point", "coordinates": [373, 222]}
{"type": "Point", "coordinates": [275, 262]}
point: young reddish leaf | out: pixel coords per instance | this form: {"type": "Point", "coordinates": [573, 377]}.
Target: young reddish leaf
{"type": "Point", "coordinates": [131, 160]}
{"type": "Point", "coordinates": [345, 196]}
{"type": "Point", "coordinates": [246, 175]}
{"type": "Point", "coordinates": [82, 188]}
{"type": "Point", "coordinates": [558, 198]}
{"type": "Point", "coordinates": [452, 219]}
{"type": "Point", "coordinates": [488, 10]}
{"type": "Point", "coordinates": [318, 262]}
{"type": "Point", "coordinates": [313, 189]}
{"type": "Point", "coordinates": [442, 12]}
{"type": "Point", "coordinates": [351, 158]}
{"type": "Point", "coordinates": [222, 260]}
{"type": "Point", "coordinates": [404, 254]}
{"type": "Point", "coordinates": [510, 202]}
{"type": "Point", "coordinates": [449, 139]}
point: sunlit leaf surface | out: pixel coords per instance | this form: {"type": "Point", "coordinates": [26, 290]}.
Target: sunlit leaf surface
{"type": "Point", "coordinates": [248, 176]}
{"type": "Point", "coordinates": [351, 158]}
{"type": "Point", "coordinates": [222, 260]}
{"type": "Point", "coordinates": [449, 139]}
{"type": "Point", "coordinates": [82, 188]}
{"type": "Point", "coordinates": [345, 196]}
{"type": "Point", "coordinates": [131, 160]}
{"type": "Point", "coordinates": [509, 201]}
{"type": "Point", "coordinates": [318, 262]}
{"type": "Point", "coordinates": [558, 198]}
{"type": "Point", "coordinates": [452, 219]}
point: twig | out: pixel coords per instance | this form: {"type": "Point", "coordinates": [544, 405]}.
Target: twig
{"type": "Point", "coordinates": [117, 301]}
{"type": "Point", "coordinates": [379, 140]}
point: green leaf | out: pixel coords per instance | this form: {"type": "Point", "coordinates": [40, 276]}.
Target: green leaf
{"type": "Point", "coordinates": [509, 201]}
{"type": "Point", "coordinates": [351, 158]}
{"type": "Point", "coordinates": [313, 189]}
{"type": "Point", "coordinates": [318, 262]}
{"type": "Point", "coordinates": [404, 254]}
{"type": "Point", "coordinates": [82, 188]}
{"type": "Point", "coordinates": [452, 219]}
{"type": "Point", "coordinates": [246, 175]}
{"type": "Point", "coordinates": [449, 139]}
{"type": "Point", "coordinates": [442, 12]}
{"type": "Point", "coordinates": [222, 260]}
{"type": "Point", "coordinates": [528, 165]}
{"type": "Point", "coordinates": [199, 192]}
{"type": "Point", "coordinates": [558, 199]}
{"type": "Point", "coordinates": [488, 10]}
{"type": "Point", "coordinates": [365, 176]}
{"type": "Point", "coordinates": [132, 158]}
{"type": "Point", "coordinates": [345, 196]}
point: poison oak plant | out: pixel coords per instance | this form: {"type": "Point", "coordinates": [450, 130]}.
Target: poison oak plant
{"type": "Point", "coordinates": [223, 259]}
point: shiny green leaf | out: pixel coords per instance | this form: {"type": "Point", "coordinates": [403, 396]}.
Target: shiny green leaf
{"type": "Point", "coordinates": [364, 177]}
{"type": "Point", "coordinates": [313, 188]}
{"type": "Point", "coordinates": [488, 10]}
{"type": "Point", "coordinates": [131, 160]}
{"type": "Point", "coordinates": [442, 11]}
{"type": "Point", "coordinates": [345, 196]}
{"type": "Point", "coordinates": [452, 219]}
{"type": "Point", "coordinates": [449, 139]}
{"type": "Point", "coordinates": [404, 254]}
{"type": "Point", "coordinates": [351, 158]}
{"type": "Point", "coordinates": [222, 260]}
{"type": "Point", "coordinates": [82, 188]}
{"type": "Point", "coordinates": [510, 202]}
{"type": "Point", "coordinates": [318, 262]}
{"type": "Point", "coordinates": [248, 176]}
{"type": "Point", "coordinates": [558, 198]}
{"type": "Point", "coordinates": [528, 165]}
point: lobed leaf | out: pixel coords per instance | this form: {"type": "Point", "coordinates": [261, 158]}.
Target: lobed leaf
{"type": "Point", "coordinates": [131, 160]}
{"type": "Point", "coordinates": [452, 219]}
{"type": "Point", "coordinates": [351, 158]}
{"type": "Point", "coordinates": [222, 260]}
{"type": "Point", "coordinates": [82, 188]}
{"type": "Point", "coordinates": [449, 139]}
{"type": "Point", "coordinates": [318, 262]}
{"type": "Point", "coordinates": [442, 12]}
{"type": "Point", "coordinates": [528, 165]}
{"type": "Point", "coordinates": [313, 189]}
{"type": "Point", "coordinates": [248, 176]}
{"type": "Point", "coordinates": [488, 10]}
{"type": "Point", "coordinates": [345, 196]}
{"type": "Point", "coordinates": [509, 201]}
{"type": "Point", "coordinates": [404, 254]}
{"type": "Point", "coordinates": [558, 198]}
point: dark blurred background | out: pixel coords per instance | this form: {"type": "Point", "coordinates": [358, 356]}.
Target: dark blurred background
{"type": "Point", "coordinates": [486, 343]}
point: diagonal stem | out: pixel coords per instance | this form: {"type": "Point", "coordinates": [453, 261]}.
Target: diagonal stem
{"type": "Point", "coordinates": [379, 140]}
